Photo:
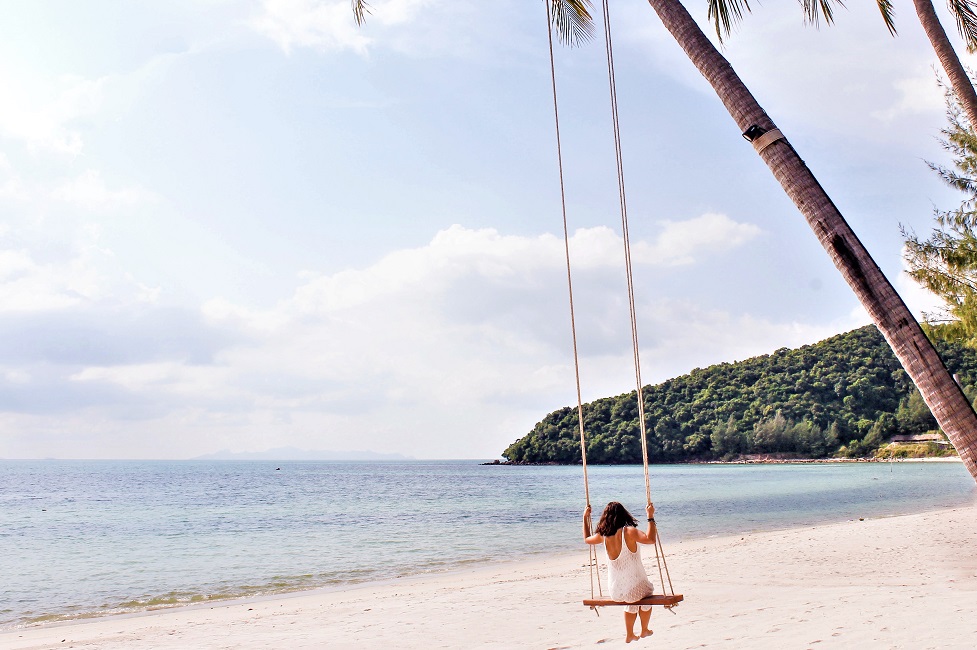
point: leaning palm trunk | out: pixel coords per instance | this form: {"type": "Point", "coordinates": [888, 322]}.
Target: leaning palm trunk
{"type": "Point", "coordinates": [959, 79]}
{"type": "Point", "coordinates": [917, 355]}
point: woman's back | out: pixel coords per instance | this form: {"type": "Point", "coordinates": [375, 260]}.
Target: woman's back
{"type": "Point", "coordinates": [625, 572]}
{"type": "Point", "coordinates": [613, 544]}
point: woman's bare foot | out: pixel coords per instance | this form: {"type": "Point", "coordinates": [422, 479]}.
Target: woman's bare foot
{"type": "Point", "coordinates": [645, 633]}
{"type": "Point", "coordinates": [631, 638]}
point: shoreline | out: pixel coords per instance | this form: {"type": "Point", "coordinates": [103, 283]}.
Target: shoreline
{"type": "Point", "coordinates": [897, 581]}
{"type": "Point", "coordinates": [55, 620]}
{"type": "Point", "coordinates": [747, 461]}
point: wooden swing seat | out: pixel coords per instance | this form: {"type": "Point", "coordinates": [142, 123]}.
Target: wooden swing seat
{"type": "Point", "coordinates": [664, 600]}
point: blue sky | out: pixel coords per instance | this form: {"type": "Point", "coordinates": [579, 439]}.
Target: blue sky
{"type": "Point", "coordinates": [245, 225]}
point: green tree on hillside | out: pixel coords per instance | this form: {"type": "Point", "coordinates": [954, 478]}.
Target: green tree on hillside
{"type": "Point", "coordinates": [727, 439]}
{"type": "Point", "coordinates": [800, 403]}
{"type": "Point", "coordinates": [912, 417]}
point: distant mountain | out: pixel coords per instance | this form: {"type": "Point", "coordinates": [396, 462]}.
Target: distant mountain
{"type": "Point", "coordinates": [293, 453]}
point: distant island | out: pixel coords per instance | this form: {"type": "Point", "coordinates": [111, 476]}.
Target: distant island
{"type": "Point", "coordinates": [293, 453]}
{"type": "Point", "coordinates": [845, 397]}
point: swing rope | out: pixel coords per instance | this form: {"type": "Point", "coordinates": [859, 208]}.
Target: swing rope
{"type": "Point", "coordinates": [612, 84]}
{"type": "Point", "coordinates": [592, 561]}
{"type": "Point", "coordinates": [671, 599]}
{"type": "Point", "coordinates": [663, 572]}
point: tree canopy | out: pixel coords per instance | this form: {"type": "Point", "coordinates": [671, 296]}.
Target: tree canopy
{"type": "Point", "coordinates": [844, 395]}
{"type": "Point", "coordinates": [945, 262]}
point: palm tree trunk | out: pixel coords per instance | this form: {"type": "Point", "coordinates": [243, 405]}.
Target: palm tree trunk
{"type": "Point", "coordinates": [897, 324]}
{"type": "Point", "coordinates": [960, 81]}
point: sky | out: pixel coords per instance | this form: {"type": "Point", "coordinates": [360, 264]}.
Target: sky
{"type": "Point", "coordinates": [243, 225]}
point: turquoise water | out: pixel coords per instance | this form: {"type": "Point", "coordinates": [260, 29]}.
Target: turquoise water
{"type": "Point", "coordinates": [80, 538]}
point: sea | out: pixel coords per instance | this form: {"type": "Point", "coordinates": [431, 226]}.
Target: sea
{"type": "Point", "coordinates": [87, 538]}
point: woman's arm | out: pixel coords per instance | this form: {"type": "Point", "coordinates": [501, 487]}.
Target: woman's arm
{"type": "Point", "coordinates": [587, 537]}
{"type": "Point", "coordinates": [649, 536]}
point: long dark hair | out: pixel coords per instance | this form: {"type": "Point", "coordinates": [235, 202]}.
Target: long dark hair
{"type": "Point", "coordinates": [614, 518]}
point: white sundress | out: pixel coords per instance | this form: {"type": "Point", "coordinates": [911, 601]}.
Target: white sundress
{"type": "Point", "coordinates": [626, 575]}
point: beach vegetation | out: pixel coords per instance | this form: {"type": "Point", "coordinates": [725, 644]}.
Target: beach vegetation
{"type": "Point", "coordinates": [914, 450]}
{"type": "Point", "coordinates": [845, 396]}
{"type": "Point", "coordinates": [945, 262]}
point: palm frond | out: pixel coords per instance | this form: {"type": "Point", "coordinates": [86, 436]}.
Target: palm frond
{"type": "Point", "coordinates": [360, 10]}
{"type": "Point", "coordinates": [966, 17]}
{"type": "Point", "coordinates": [726, 13]}
{"type": "Point", "coordinates": [888, 15]}
{"type": "Point", "coordinates": [573, 21]}
{"type": "Point", "coordinates": [815, 10]}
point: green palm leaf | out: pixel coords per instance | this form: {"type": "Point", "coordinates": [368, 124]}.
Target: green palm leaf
{"type": "Point", "coordinates": [815, 10]}
{"type": "Point", "coordinates": [888, 15]}
{"type": "Point", "coordinates": [966, 17]}
{"type": "Point", "coordinates": [573, 21]}
{"type": "Point", "coordinates": [726, 13]}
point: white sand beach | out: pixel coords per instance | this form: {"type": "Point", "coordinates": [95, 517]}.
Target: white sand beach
{"type": "Point", "coordinates": [897, 582]}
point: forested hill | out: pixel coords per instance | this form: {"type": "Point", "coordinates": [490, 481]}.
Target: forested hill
{"type": "Point", "coordinates": [842, 396]}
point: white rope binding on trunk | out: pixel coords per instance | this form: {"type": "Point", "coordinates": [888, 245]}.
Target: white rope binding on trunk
{"type": "Point", "coordinates": [767, 139]}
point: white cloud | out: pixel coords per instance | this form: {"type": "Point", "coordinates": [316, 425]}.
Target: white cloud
{"type": "Point", "coordinates": [16, 376]}
{"type": "Point", "coordinates": [53, 257]}
{"type": "Point", "coordinates": [919, 94]}
{"type": "Point", "coordinates": [168, 376]}
{"type": "Point", "coordinates": [147, 294]}
{"type": "Point", "coordinates": [417, 28]}
{"type": "Point", "coordinates": [88, 191]}
{"type": "Point", "coordinates": [78, 271]}
{"type": "Point", "coordinates": [27, 286]}
{"type": "Point", "coordinates": [686, 335]}
{"type": "Point", "coordinates": [307, 23]}
{"type": "Point", "coordinates": [429, 350]}
{"type": "Point", "coordinates": [328, 25]}
{"type": "Point", "coordinates": [399, 12]}
{"type": "Point", "coordinates": [682, 242]}
{"type": "Point", "coordinates": [12, 188]}
{"type": "Point", "coordinates": [11, 184]}
{"type": "Point", "coordinates": [13, 263]}
{"type": "Point", "coordinates": [39, 110]}
{"type": "Point", "coordinates": [458, 252]}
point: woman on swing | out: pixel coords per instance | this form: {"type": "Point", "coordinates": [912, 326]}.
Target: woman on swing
{"type": "Point", "coordinates": [629, 583]}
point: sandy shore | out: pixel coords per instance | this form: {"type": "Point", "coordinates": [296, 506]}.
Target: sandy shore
{"type": "Point", "coordinates": [898, 582]}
